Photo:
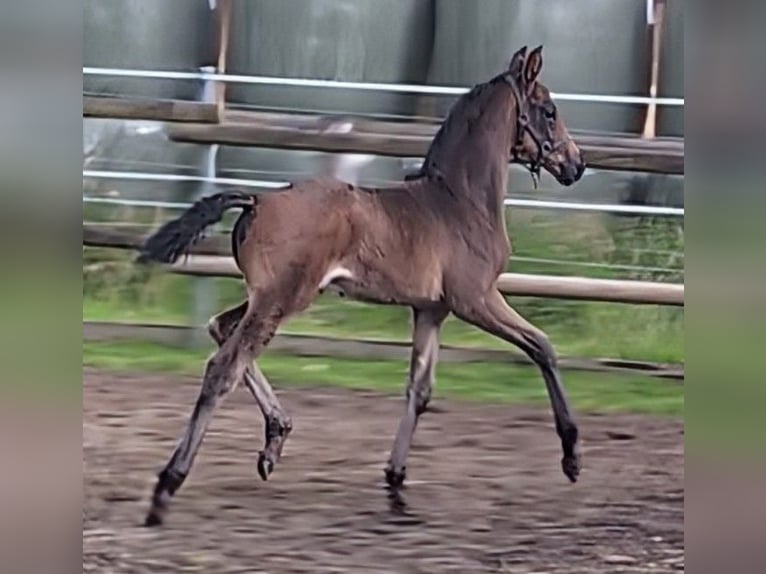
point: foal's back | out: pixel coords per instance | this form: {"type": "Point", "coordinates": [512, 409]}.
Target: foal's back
{"type": "Point", "coordinates": [383, 245]}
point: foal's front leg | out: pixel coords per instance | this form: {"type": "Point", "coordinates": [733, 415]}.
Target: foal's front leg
{"type": "Point", "coordinates": [493, 314]}
{"type": "Point", "coordinates": [278, 423]}
{"type": "Point", "coordinates": [425, 347]}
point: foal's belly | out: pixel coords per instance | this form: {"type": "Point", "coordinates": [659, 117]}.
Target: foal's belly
{"type": "Point", "coordinates": [382, 288]}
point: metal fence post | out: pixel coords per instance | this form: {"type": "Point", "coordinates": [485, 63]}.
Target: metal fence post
{"type": "Point", "coordinates": [204, 292]}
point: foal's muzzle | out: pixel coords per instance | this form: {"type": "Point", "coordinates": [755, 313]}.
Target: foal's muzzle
{"type": "Point", "coordinates": [571, 172]}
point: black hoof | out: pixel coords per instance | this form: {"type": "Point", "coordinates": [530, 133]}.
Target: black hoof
{"type": "Point", "coordinates": [265, 465]}
{"type": "Point", "coordinates": [153, 519]}
{"type": "Point", "coordinates": [396, 502]}
{"type": "Point", "coordinates": [571, 466]}
{"type": "Point", "coordinates": [395, 477]}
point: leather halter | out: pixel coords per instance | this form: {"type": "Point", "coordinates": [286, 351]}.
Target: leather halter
{"type": "Point", "coordinates": [544, 147]}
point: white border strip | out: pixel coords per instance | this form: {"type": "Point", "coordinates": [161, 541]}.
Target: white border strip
{"type": "Point", "coordinates": [529, 203]}
{"type": "Point", "coordinates": [368, 86]}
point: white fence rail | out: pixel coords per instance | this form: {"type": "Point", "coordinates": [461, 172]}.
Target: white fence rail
{"type": "Point", "coordinates": [265, 184]}
{"type": "Point", "coordinates": [366, 86]}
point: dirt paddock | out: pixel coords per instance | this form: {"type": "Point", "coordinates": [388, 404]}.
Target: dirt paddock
{"type": "Point", "coordinates": [486, 493]}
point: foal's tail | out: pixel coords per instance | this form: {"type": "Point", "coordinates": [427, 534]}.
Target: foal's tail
{"type": "Point", "coordinates": [176, 237]}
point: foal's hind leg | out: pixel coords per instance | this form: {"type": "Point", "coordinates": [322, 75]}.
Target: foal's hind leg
{"type": "Point", "coordinates": [222, 373]}
{"type": "Point", "coordinates": [278, 423]}
{"type": "Point", "coordinates": [425, 347]}
{"type": "Point", "coordinates": [492, 314]}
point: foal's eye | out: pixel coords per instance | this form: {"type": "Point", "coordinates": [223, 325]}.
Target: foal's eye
{"type": "Point", "coordinates": [550, 113]}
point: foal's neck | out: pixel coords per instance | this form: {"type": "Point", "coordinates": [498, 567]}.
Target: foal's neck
{"type": "Point", "coordinates": [471, 150]}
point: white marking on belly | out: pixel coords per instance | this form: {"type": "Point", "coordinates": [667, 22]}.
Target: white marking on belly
{"type": "Point", "coordinates": [334, 274]}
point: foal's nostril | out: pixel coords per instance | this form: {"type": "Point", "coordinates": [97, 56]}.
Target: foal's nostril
{"type": "Point", "coordinates": [580, 170]}
{"type": "Point", "coordinates": [570, 173]}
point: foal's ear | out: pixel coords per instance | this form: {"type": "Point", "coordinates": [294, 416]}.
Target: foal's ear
{"type": "Point", "coordinates": [517, 63]}
{"type": "Point", "coordinates": [533, 66]}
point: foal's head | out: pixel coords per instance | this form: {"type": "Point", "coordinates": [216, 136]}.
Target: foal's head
{"type": "Point", "coordinates": [542, 139]}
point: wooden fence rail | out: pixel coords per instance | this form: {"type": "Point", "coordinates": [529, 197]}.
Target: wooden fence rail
{"type": "Point", "coordinates": [602, 157]}
{"type": "Point", "coordinates": [211, 258]}
{"type": "Point", "coordinates": [428, 127]}
{"type": "Point", "coordinates": [148, 109]}
{"type": "Point", "coordinates": [193, 122]}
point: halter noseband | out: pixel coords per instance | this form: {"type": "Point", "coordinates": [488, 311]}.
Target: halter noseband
{"type": "Point", "coordinates": [544, 147]}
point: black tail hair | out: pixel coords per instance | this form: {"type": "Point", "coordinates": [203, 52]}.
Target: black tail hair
{"type": "Point", "coordinates": [176, 237]}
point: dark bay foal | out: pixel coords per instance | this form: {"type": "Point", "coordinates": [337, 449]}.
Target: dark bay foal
{"type": "Point", "coordinates": [435, 243]}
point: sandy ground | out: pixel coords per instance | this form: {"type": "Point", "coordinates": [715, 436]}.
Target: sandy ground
{"type": "Point", "coordinates": [485, 494]}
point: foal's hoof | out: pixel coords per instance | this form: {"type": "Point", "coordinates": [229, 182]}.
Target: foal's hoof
{"type": "Point", "coordinates": [265, 465]}
{"type": "Point", "coordinates": [395, 477]}
{"type": "Point", "coordinates": [153, 518]}
{"type": "Point", "coordinates": [571, 466]}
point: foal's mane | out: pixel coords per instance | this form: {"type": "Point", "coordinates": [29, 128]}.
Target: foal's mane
{"type": "Point", "coordinates": [465, 111]}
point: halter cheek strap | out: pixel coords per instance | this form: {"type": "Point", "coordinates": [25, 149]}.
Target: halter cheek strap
{"type": "Point", "coordinates": [544, 147]}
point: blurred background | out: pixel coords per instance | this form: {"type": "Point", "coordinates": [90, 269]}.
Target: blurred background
{"type": "Point", "coordinates": [182, 99]}
{"type": "Point", "coordinates": [624, 223]}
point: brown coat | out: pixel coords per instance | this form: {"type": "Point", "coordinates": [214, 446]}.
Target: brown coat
{"type": "Point", "coordinates": [435, 243]}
